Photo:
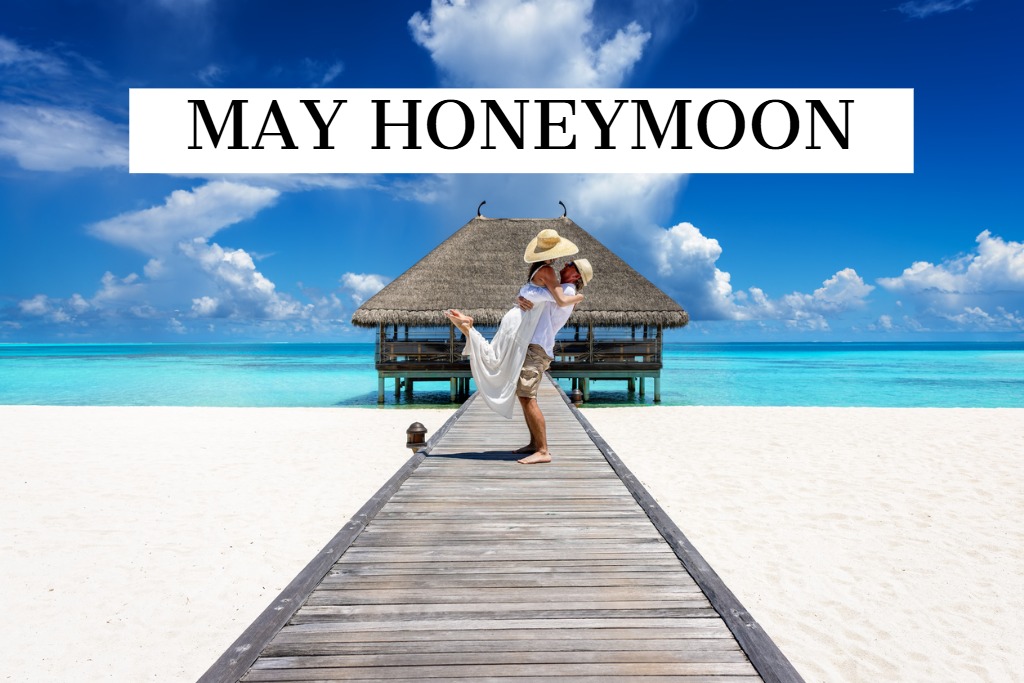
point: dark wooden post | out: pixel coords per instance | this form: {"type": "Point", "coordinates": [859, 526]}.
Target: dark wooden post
{"type": "Point", "coordinates": [378, 354]}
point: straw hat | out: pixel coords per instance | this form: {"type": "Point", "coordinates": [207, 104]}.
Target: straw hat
{"type": "Point", "coordinates": [586, 270]}
{"type": "Point", "coordinates": [548, 245]}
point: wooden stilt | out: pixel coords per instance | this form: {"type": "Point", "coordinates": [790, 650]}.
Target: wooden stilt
{"type": "Point", "coordinates": [586, 388]}
{"type": "Point", "coordinates": [380, 389]}
{"type": "Point", "coordinates": [643, 383]}
{"type": "Point", "coordinates": [657, 389]}
{"type": "Point", "coordinates": [453, 390]}
{"type": "Point", "coordinates": [631, 385]}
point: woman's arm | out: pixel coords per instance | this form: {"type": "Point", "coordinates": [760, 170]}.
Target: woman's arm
{"type": "Point", "coordinates": [546, 276]}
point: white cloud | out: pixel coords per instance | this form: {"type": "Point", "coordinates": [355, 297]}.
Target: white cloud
{"type": "Point", "coordinates": [188, 276]}
{"type": "Point", "coordinates": [54, 310]}
{"type": "Point", "coordinates": [115, 291]}
{"type": "Point", "coordinates": [155, 268]}
{"type": "Point", "coordinates": [332, 72]}
{"type": "Point", "coordinates": [983, 289]}
{"type": "Point", "coordinates": [177, 327]}
{"type": "Point", "coordinates": [540, 43]}
{"type": "Point", "coordinates": [996, 265]}
{"type": "Point", "coordinates": [48, 120]}
{"type": "Point", "coordinates": [884, 323]}
{"type": "Point", "coordinates": [300, 182]}
{"type": "Point", "coordinates": [205, 307]}
{"type": "Point", "coordinates": [185, 215]}
{"type": "Point", "coordinates": [919, 9]}
{"type": "Point", "coordinates": [36, 306]}
{"type": "Point", "coordinates": [974, 318]}
{"type": "Point", "coordinates": [843, 291]}
{"type": "Point", "coordinates": [611, 203]}
{"type": "Point", "coordinates": [242, 291]}
{"type": "Point", "coordinates": [78, 304]}
{"type": "Point", "coordinates": [211, 74]}
{"type": "Point", "coordinates": [361, 286]}
{"type": "Point", "coordinates": [19, 58]}
{"type": "Point", "coordinates": [687, 260]}
{"type": "Point", "coordinates": [44, 138]}
{"type": "Point", "coordinates": [116, 298]}
{"type": "Point", "coordinates": [216, 282]}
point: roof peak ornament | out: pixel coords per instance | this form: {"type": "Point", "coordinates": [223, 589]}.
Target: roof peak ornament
{"type": "Point", "coordinates": [478, 208]}
{"type": "Point", "coordinates": [564, 210]}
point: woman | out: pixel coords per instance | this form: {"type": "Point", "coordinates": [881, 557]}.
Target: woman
{"type": "Point", "coordinates": [511, 364]}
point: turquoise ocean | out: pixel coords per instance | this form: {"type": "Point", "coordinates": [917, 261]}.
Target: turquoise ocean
{"type": "Point", "coordinates": [984, 375]}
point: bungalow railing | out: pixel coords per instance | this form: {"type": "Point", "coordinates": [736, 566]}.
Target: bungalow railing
{"type": "Point", "coordinates": [585, 346]}
{"type": "Point", "coordinates": [583, 354]}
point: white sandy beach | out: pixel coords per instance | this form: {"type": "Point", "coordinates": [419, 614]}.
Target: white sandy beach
{"type": "Point", "coordinates": [872, 545]}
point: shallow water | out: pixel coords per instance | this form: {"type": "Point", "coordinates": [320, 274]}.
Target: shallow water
{"type": "Point", "coordinates": [884, 375]}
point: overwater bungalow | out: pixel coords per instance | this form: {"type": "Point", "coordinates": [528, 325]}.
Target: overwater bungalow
{"type": "Point", "coordinates": [615, 334]}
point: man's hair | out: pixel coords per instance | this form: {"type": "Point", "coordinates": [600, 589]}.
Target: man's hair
{"type": "Point", "coordinates": [580, 284]}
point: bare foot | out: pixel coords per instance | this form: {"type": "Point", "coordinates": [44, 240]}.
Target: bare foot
{"type": "Point", "coordinates": [460, 320]}
{"type": "Point", "coordinates": [528, 448]}
{"type": "Point", "coordinates": [536, 458]}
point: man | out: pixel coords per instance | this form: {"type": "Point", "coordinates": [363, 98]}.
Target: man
{"type": "Point", "coordinates": [514, 362]}
{"type": "Point", "coordinates": [573, 276]}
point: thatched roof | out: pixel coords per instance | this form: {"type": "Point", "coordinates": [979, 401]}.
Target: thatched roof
{"type": "Point", "coordinates": [480, 268]}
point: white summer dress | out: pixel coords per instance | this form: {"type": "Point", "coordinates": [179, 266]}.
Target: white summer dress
{"type": "Point", "coordinates": [496, 364]}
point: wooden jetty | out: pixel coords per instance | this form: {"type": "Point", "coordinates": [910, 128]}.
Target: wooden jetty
{"type": "Point", "coordinates": [467, 565]}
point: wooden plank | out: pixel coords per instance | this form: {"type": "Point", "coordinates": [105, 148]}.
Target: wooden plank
{"type": "Point", "coordinates": [694, 646]}
{"type": "Point", "coordinates": [527, 630]}
{"type": "Point", "coordinates": [562, 625]}
{"type": "Point", "coordinates": [488, 594]}
{"type": "Point", "coordinates": [477, 671]}
{"type": "Point", "coordinates": [456, 658]}
{"type": "Point", "coordinates": [398, 613]}
{"type": "Point", "coordinates": [495, 555]}
{"type": "Point", "coordinates": [351, 581]}
{"type": "Point", "coordinates": [231, 665]}
{"type": "Point", "coordinates": [553, 679]}
{"type": "Point", "coordinates": [482, 567]}
{"type": "Point", "coordinates": [771, 664]}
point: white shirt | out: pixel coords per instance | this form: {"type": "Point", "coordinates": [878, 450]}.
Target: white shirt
{"type": "Point", "coordinates": [552, 318]}
{"type": "Point", "coordinates": [496, 363]}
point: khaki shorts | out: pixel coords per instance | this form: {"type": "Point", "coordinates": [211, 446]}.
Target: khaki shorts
{"type": "Point", "coordinates": [534, 367]}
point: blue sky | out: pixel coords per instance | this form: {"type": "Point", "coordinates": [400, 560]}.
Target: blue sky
{"type": "Point", "coordinates": [91, 253]}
